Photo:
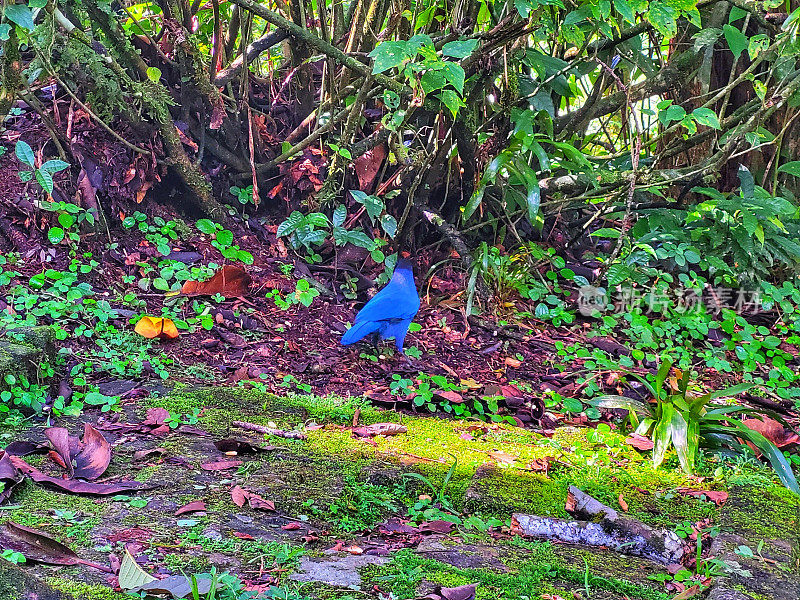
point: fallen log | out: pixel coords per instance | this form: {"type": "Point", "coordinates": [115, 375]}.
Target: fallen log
{"type": "Point", "coordinates": [602, 526]}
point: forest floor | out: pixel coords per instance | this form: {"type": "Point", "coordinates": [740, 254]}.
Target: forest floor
{"type": "Point", "coordinates": [336, 515]}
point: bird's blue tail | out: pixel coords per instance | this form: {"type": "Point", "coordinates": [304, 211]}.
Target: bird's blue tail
{"type": "Point", "coordinates": [359, 331]}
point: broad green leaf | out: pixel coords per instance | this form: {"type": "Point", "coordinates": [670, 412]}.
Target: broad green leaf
{"type": "Point", "coordinates": [607, 232]}
{"type": "Point", "coordinates": [21, 15]}
{"type": "Point", "coordinates": [66, 220]}
{"type": "Point", "coordinates": [792, 168]}
{"type": "Point", "coordinates": [776, 458]}
{"type": "Point", "coordinates": [432, 80]}
{"type": "Point", "coordinates": [758, 44]}
{"type": "Point", "coordinates": [625, 9]}
{"type": "Point", "coordinates": [131, 575]}
{"type": "Point", "coordinates": [459, 48]}
{"type": "Point", "coordinates": [707, 117]}
{"type": "Point", "coordinates": [661, 433]}
{"type": "Point", "coordinates": [534, 199]}
{"type": "Point", "coordinates": [737, 41]}
{"type": "Point", "coordinates": [54, 166]}
{"type": "Point", "coordinates": [663, 16]}
{"type": "Point", "coordinates": [389, 225]}
{"type": "Point", "coordinates": [208, 227]}
{"type": "Point", "coordinates": [23, 150]}
{"type": "Point", "coordinates": [614, 401]}
{"type": "Point", "coordinates": [452, 101]}
{"type": "Point", "coordinates": [224, 237]}
{"type": "Point", "coordinates": [544, 160]}
{"type": "Point", "coordinates": [154, 74]}
{"type": "Point", "coordinates": [679, 435]}
{"type": "Point", "coordinates": [706, 37]}
{"type": "Point", "coordinates": [55, 235]}
{"type": "Point", "coordinates": [748, 183]}
{"type": "Point", "coordinates": [373, 205]}
{"type": "Point", "coordinates": [388, 55]}
{"type": "Point", "coordinates": [291, 223]}
{"type": "Point", "coordinates": [455, 75]}
{"type": "Point", "coordinates": [339, 215]}
{"type": "Point", "coordinates": [5, 32]}
{"type": "Point", "coordinates": [45, 180]}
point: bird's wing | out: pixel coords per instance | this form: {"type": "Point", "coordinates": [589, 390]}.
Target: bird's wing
{"type": "Point", "coordinates": [359, 331]}
{"type": "Point", "coordinates": [388, 305]}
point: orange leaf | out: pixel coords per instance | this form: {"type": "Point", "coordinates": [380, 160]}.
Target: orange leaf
{"type": "Point", "coordinates": [156, 327]}
{"type": "Point", "coordinates": [622, 504]}
{"type": "Point", "coordinates": [228, 281]}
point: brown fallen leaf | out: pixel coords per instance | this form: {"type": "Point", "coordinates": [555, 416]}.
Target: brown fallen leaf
{"type": "Point", "coordinates": [240, 495]}
{"type": "Point", "coordinates": [773, 430]}
{"type": "Point", "coordinates": [65, 446]}
{"type": "Point", "coordinates": [196, 506]}
{"type": "Point", "coordinates": [717, 497]}
{"type": "Point", "coordinates": [156, 327]}
{"type": "Point", "coordinates": [24, 448]}
{"type": "Point", "coordinates": [437, 526]}
{"type": "Point", "coordinates": [689, 592]}
{"type": "Point", "coordinates": [380, 429]}
{"type": "Point", "coordinates": [220, 465]}
{"type": "Point", "coordinates": [462, 592]}
{"type": "Point", "coordinates": [176, 586]}
{"type": "Point", "coordinates": [622, 504]}
{"type": "Point", "coordinates": [38, 547]}
{"type": "Point", "coordinates": [142, 454]}
{"type": "Point", "coordinates": [513, 362]}
{"type": "Point", "coordinates": [10, 476]}
{"type": "Point", "coordinates": [94, 454]}
{"type": "Point", "coordinates": [368, 165]}
{"type": "Point", "coordinates": [639, 442]}
{"type": "Point", "coordinates": [502, 458]}
{"type": "Point", "coordinates": [76, 486]}
{"type": "Point", "coordinates": [291, 527]}
{"type": "Point", "coordinates": [357, 550]}
{"type": "Point", "coordinates": [229, 281]}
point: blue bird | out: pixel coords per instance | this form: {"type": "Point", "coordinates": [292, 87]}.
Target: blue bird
{"type": "Point", "coordinates": [390, 311]}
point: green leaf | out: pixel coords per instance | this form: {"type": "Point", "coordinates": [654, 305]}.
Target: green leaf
{"type": "Point", "coordinates": [389, 225]}
{"type": "Point", "coordinates": [625, 9]}
{"type": "Point", "coordinates": [54, 166]}
{"type": "Point", "coordinates": [452, 101]}
{"type": "Point", "coordinates": [614, 401]}
{"type": "Point", "coordinates": [21, 15]}
{"type": "Point", "coordinates": [154, 74]}
{"type": "Point", "coordinates": [663, 16]}
{"type": "Point", "coordinates": [131, 575]}
{"type": "Point", "coordinates": [55, 235]}
{"type": "Point", "coordinates": [455, 75]}
{"type": "Point", "coordinates": [66, 220]}
{"type": "Point", "coordinates": [45, 180]}
{"type": "Point", "coordinates": [224, 237]}
{"type": "Point", "coordinates": [23, 150]}
{"type": "Point", "coordinates": [533, 199]}
{"type": "Point", "coordinates": [792, 168]}
{"type": "Point", "coordinates": [707, 117]}
{"type": "Point", "coordinates": [388, 55]}
{"type": "Point", "coordinates": [776, 458]}
{"type": "Point", "coordinates": [339, 215]}
{"type": "Point", "coordinates": [432, 80]}
{"type": "Point", "coordinates": [679, 435]}
{"type": "Point", "coordinates": [737, 41]}
{"type": "Point", "coordinates": [5, 32]}
{"type": "Point", "coordinates": [661, 433]}
{"type": "Point", "coordinates": [207, 226]}
{"type": "Point", "coordinates": [374, 205]}
{"type": "Point", "coordinates": [459, 48]}
{"type": "Point", "coordinates": [607, 232]}
{"type": "Point", "coordinates": [748, 183]}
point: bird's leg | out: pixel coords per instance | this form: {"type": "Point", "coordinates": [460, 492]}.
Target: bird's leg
{"type": "Point", "coordinates": [375, 339]}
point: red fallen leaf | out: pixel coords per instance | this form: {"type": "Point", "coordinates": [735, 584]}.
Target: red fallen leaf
{"type": "Point", "coordinates": [310, 537]}
{"type": "Point", "coordinates": [142, 454]}
{"type": "Point", "coordinates": [436, 527]}
{"type": "Point", "coordinates": [380, 429]}
{"type": "Point", "coordinates": [773, 430]}
{"type": "Point", "coordinates": [462, 592]}
{"type": "Point", "coordinates": [639, 442]}
{"type": "Point", "coordinates": [368, 165]}
{"type": "Point", "coordinates": [240, 496]}
{"type": "Point", "coordinates": [717, 497]}
{"type": "Point", "coordinates": [357, 550]}
{"type": "Point", "coordinates": [38, 547]}
{"type": "Point", "coordinates": [94, 455]}
{"type": "Point", "coordinates": [228, 281]}
{"type": "Point", "coordinates": [10, 476]}
{"type": "Point", "coordinates": [56, 458]}
{"type": "Point", "coordinates": [76, 486]}
{"type": "Point", "coordinates": [242, 536]}
{"type": "Point", "coordinates": [220, 465]}
{"type": "Point", "coordinates": [196, 506]}
{"type": "Point", "coordinates": [291, 527]}
{"type": "Point", "coordinates": [622, 504]}
{"type": "Point", "coordinates": [132, 534]}
{"type": "Point", "coordinates": [23, 448]}
{"type": "Point", "coordinates": [450, 396]}
{"type": "Point", "coordinates": [65, 446]}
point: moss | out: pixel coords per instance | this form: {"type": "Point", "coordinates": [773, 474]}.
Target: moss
{"type": "Point", "coordinates": [147, 473]}
{"type": "Point", "coordinates": [84, 591]}
{"type": "Point", "coordinates": [758, 513]}
{"type": "Point", "coordinates": [38, 502]}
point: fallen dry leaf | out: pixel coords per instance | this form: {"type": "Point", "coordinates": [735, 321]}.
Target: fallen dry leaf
{"type": "Point", "coordinates": [773, 430]}
{"type": "Point", "coordinates": [622, 504]}
{"type": "Point", "coordinates": [156, 327]}
{"type": "Point", "coordinates": [94, 454]}
{"type": "Point", "coordinates": [220, 465]}
{"type": "Point", "coordinates": [38, 547]}
{"type": "Point", "coordinates": [240, 495]}
{"type": "Point", "coordinates": [229, 281]}
{"type": "Point", "coordinates": [196, 506]}
{"type": "Point", "coordinates": [380, 429]}
{"type": "Point", "coordinates": [502, 458]}
{"type": "Point", "coordinates": [717, 497]}
{"type": "Point", "coordinates": [639, 442]}
{"type": "Point", "coordinates": [10, 476]}
{"type": "Point", "coordinates": [76, 486]}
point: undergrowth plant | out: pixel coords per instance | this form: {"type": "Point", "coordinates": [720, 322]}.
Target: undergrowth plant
{"type": "Point", "coordinates": [685, 419]}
